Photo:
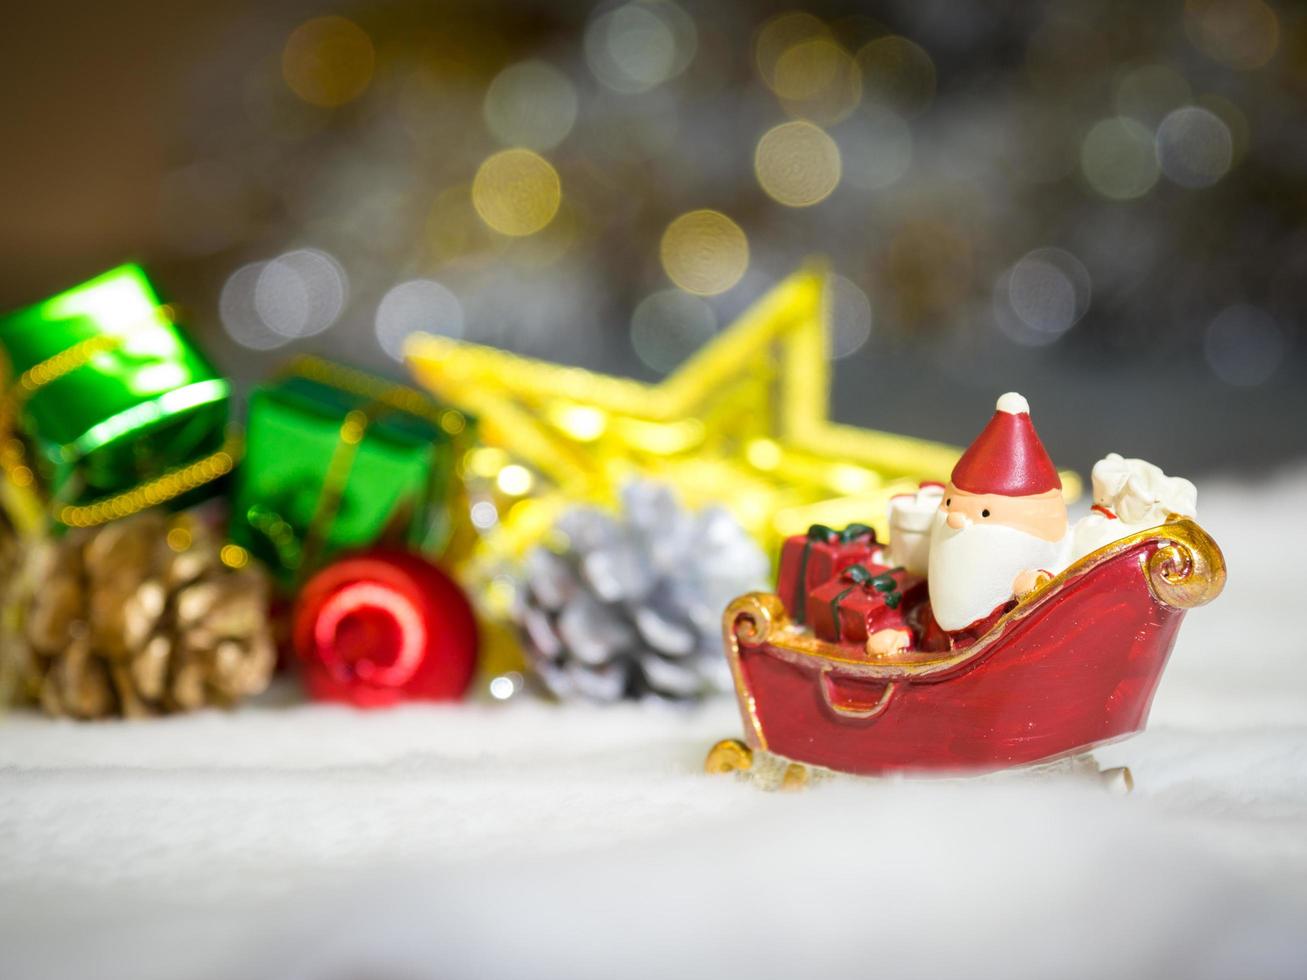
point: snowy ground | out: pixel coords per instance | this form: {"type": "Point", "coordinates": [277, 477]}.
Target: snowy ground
{"type": "Point", "coordinates": [532, 841]}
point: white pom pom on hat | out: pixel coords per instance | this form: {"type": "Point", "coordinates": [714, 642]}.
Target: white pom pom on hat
{"type": "Point", "coordinates": [1013, 404]}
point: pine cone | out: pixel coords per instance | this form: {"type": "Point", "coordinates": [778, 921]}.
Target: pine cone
{"type": "Point", "coordinates": [632, 606]}
{"type": "Point", "coordinates": [141, 617]}
{"type": "Point", "coordinates": [11, 556]}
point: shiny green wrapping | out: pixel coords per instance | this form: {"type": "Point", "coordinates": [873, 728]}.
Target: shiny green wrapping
{"type": "Point", "coordinates": [148, 402]}
{"type": "Point", "coordinates": [328, 469]}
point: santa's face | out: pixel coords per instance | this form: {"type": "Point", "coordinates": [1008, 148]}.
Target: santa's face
{"type": "Point", "coordinates": [980, 543]}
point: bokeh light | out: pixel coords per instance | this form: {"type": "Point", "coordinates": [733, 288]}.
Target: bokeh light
{"type": "Point", "coordinates": [850, 316]}
{"type": "Point", "coordinates": [817, 79]}
{"type": "Point", "coordinates": [531, 104]}
{"type": "Point", "coordinates": [781, 34]}
{"type": "Point", "coordinates": [704, 252]}
{"type": "Point", "coordinates": [1118, 159]}
{"type": "Point", "coordinates": [328, 61]}
{"type": "Point", "coordinates": [514, 480]}
{"type": "Point", "coordinates": [236, 310]}
{"type": "Point", "coordinates": [1194, 147]}
{"type": "Point", "coordinates": [898, 74]}
{"type": "Point", "coordinates": [416, 306]}
{"type": "Point", "coordinates": [638, 46]}
{"type": "Point", "coordinates": [264, 305]}
{"type": "Point", "coordinates": [1240, 33]}
{"type": "Point", "coordinates": [300, 293]}
{"type": "Point", "coordinates": [516, 192]}
{"type": "Point", "coordinates": [670, 325]}
{"type": "Point", "coordinates": [1149, 92]}
{"type": "Point", "coordinates": [484, 515]}
{"type": "Point", "coordinates": [876, 147]}
{"type": "Point", "coordinates": [1244, 345]}
{"type": "Point", "coordinates": [797, 164]}
{"type": "Point", "coordinates": [1042, 296]}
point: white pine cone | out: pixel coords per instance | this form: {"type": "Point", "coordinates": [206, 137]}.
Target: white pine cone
{"type": "Point", "coordinates": [632, 607]}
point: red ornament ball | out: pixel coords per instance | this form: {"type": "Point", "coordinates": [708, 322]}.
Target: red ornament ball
{"type": "Point", "coordinates": [382, 627]}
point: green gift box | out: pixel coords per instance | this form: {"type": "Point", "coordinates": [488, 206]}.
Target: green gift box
{"type": "Point", "coordinates": [121, 409]}
{"type": "Point", "coordinates": [336, 459]}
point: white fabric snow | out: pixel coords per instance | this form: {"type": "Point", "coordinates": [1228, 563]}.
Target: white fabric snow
{"type": "Point", "coordinates": [286, 840]}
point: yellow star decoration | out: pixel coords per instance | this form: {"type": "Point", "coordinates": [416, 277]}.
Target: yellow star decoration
{"type": "Point", "coordinates": [742, 422]}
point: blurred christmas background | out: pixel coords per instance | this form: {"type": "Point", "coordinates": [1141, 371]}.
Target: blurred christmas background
{"type": "Point", "coordinates": [1098, 203]}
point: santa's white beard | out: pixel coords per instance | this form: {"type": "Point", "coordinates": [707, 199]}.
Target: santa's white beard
{"type": "Point", "coordinates": [972, 570]}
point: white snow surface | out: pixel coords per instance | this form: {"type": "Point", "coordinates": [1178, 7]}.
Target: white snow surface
{"type": "Point", "coordinates": [528, 840]}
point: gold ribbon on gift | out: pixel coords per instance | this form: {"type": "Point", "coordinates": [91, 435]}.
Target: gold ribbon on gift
{"type": "Point", "coordinates": [21, 499]}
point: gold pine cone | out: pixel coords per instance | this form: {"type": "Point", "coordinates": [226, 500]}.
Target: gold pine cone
{"type": "Point", "coordinates": [141, 617]}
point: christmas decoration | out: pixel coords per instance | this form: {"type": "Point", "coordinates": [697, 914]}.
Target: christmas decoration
{"type": "Point", "coordinates": [1003, 523]}
{"type": "Point", "coordinates": [337, 459]}
{"type": "Point", "coordinates": [1014, 660]}
{"type": "Point", "coordinates": [122, 411]}
{"type": "Point", "coordinates": [144, 616]}
{"type": "Point", "coordinates": [809, 559]}
{"type": "Point", "coordinates": [743, 422]}
{"type": "Point", "coordinates": [861, 601]}
{"type": "Point", "coordinates": [911, 516]}
{"type": "Point", "coordinates": [382, 627]}
{"type": "Point", "coordinates": [629, 605]}
{"type": "Point", "coordinates": [1130, 495]}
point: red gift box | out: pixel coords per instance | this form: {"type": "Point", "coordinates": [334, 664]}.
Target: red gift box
{"type": "Point", "coordinates": [863, 600]}
{"type": "Point", "coordinates": [808, 560]}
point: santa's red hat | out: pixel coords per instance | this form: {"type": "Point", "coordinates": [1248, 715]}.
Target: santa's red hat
{"type": "Point", "coordinates": [1007, 457]}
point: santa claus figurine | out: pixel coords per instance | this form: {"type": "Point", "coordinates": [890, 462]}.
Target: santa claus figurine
{"type": "Point", "coordinates": [1001, 530]}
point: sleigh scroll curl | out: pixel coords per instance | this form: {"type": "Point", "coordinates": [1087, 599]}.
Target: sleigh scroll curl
{"type": "Point", "coordinates": [1189, 570]}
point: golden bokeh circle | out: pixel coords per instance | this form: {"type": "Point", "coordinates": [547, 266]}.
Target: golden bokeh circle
{"type": "Point", "coordinates": [797, 164]}
{"type": "Point", "coordinates": [817, 79]}
{"type": "Point", "coordinates": [805, 69]}
{"type": "Point", "coordinates": [704, 252]}
{"type": "Point", "coordinates": [516, 192]}
{"type": "Point", "coordinates": [328, 61]}
{"type": "Point", "coordinates": [779, 35]}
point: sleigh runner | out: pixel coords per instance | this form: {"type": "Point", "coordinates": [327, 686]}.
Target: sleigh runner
{"type": "Point", "coordinates": [1073, 666]}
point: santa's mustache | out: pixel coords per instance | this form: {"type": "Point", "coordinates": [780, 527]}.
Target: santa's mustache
{"type": "Point", "coordinates": [972, 567]}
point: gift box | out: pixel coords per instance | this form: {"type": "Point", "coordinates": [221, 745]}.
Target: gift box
{"type": "Point", "coordinates": [807, 560]}
{"type": "Point", "coordinates": [862, 600]}
{"type": "Point", "coordinates": [336, 460]}
{"type": "Point", "coordinates": [111, 397]}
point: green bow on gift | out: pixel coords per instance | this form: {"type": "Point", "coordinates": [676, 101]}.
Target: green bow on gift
{"type": "Point", "coordinates": [860, 575]}
{"type": "Point", "coordinates": [820, 532]}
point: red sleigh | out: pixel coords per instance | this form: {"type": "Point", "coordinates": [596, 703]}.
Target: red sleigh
{"type": "Point", "coordinates": [1073, 666]}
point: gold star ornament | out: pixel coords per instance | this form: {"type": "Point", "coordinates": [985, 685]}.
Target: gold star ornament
{"type": "Point", "coordinates": [742, 422]}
